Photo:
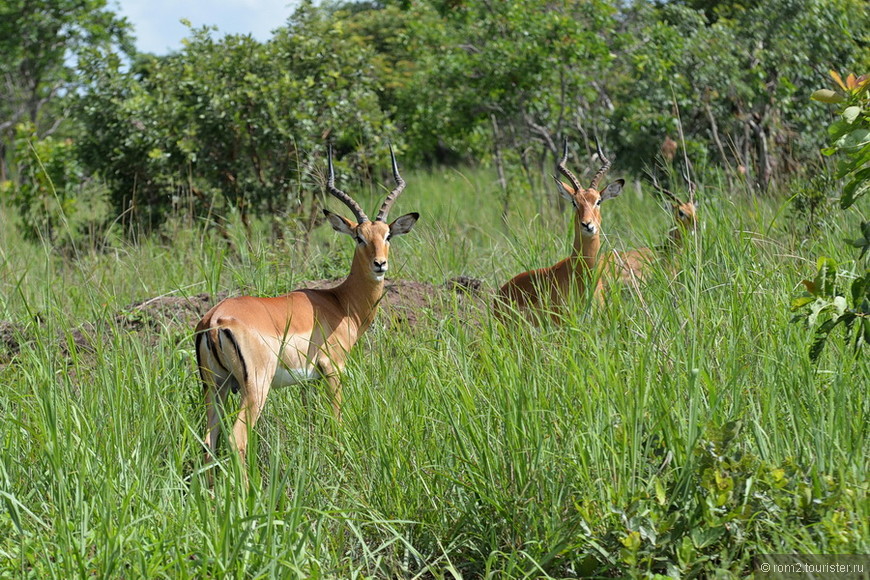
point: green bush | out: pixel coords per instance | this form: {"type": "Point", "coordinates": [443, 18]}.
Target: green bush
{"type": "Point", "coordinates": [826, 303]}
{"type": "Point", "coordinates": [49, 176]}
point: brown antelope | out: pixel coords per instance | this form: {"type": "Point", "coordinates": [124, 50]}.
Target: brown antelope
{"type": "Point", "coordinates": [668, 149]}
{"type": "Point", "coordinates": [633, 266]}
{"type": "Point", "coordinates": [535, 289]}
{"type": "Point", "coordinates": [251, 344]}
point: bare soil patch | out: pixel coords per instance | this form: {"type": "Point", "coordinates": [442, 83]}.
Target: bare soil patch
{"type": "Point", "coordinates": [11, 336]}
{"type": "Point", "coordinates": [167, 311]}
{"type": "Point", "coordinates": [406, 303]}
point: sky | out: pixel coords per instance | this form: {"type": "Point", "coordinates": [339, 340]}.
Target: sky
{"type": "Point", "coordinates": [157, 26]}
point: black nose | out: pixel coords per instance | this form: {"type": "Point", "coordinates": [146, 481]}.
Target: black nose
{"type": "Point", "coordinates": [380, 264]}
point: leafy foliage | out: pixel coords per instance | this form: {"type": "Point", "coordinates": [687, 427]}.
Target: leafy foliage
{"type": "Point", "coordinates": [49, 190]}
{"type": "Point", "coordinates": [231, 125]}
{"type": "Point", "coordinates": [226, 121]}
{"type": "Point", "coordinates": [825, 303]}
{"type": "Point", "coordinates": [41, 42]}
{"type": "Point", "coordinates": [736, 81]}
{"type": "Point", "coordinates": [850, 135]}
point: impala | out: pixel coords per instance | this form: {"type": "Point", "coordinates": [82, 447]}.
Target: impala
{"type": "Point", "coordinates": [536, 288]}
{"type": "Point", "coordinates": [633, 266]}
{"type": "Point", "coordinates": [249, 345]}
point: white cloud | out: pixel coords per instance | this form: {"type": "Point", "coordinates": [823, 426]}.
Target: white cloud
{"type": "Point", "coordinates": [158, 29]}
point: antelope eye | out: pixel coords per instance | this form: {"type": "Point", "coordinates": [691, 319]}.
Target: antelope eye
{"type": "Point", "coordinates": [682, 214]}
{"type": "Point", "coordinates": [597, 203]}
{"type": "Point", "coordinates": [360, 240]}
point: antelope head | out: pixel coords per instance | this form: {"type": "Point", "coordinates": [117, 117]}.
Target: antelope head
{"type": "Point", "coordinates": [587, 201]}
{"type": "Point", "coordinates": [372, 237]}
{"type": "Point", "coordinates": [684, 212]}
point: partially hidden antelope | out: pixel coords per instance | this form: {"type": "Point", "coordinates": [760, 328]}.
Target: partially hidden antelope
{"type": "Point", "coordinates": [634, 266]}
{"type": "Point", "coordinates": [249, 344]}
{"type": "Point", "coordinates": [550, 287]}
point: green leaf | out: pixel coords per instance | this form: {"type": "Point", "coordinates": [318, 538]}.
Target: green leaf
{"type": "Point", "coordinates": [851, 113]}
{"type": "Point", "coordinates": [860, 289]}
{"type": "Point", "coordinates": [816, 308]}
{"type": "Point", "coordinates": [801, 302]}
{"type": "Point", "coordinates": [685, 552]}
{"type": "Point", "coordinates": [854, 139]}
{"type": "Point", "coordinates": [828, 325]}
{"type": "Point", "coordinates": [661, 496]}
{"type": "Point", "coordinates": [823, 262]}
{"type": "Point", "coordinates": [817, 346]}
{"type": "Point", "coordinates": [853, 191]}
{"type": "Point", "coordinates": [838, 129]}
{"type": "Point", "coordinates": [826, 96]}
{"type": "Point", "coordinates": [826, 277]}
{"type": "Point", "coordinates": [847, 319]}
{"type": "Point", "coordinates": [706, 537]}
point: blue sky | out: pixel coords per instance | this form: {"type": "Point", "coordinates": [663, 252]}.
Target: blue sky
{"type": "Point", "coordinates": [158, 29]}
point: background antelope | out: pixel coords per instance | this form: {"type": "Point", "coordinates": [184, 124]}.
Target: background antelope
{"type": "Point", "coordinates": [633, 266]}
{"type": "Point", "coordinates": [536, 288]}
{"type": "Point", "coordinates": [250, 344]}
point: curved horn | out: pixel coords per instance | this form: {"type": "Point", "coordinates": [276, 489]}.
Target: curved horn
{"type": "Point", "coordinates": [667, 193]}
{"type": "Point", "coordinates": [400, 185]}
{"type": "Point", "coordinates": [693, 188]}
{"type": "Point", "coordinates": [564, 170]}
{"type": "Point", "coordinates": [345, 198]}
{"type": "Point", "coordinates": [604, 167]}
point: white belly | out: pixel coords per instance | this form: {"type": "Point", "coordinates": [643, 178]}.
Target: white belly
{"type": "Point", "coordinates": [285, 377]}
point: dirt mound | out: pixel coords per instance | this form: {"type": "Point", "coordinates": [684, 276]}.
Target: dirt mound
{"type": "Point", "coordinates": [167, 311]}
{"type": "Point", "coordinates": [406, 303]}
{"type": "Point", "coordinates": [10, 336]}
{"type": "Point", "coordinates": [13, 336]}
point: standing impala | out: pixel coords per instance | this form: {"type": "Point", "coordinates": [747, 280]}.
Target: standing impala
{"type": "Point", "coordinates": [250, 344]}
{"type": "Point", "coordinates": [535, 289]}
{"type": "Point", "coordinates": [633, 266]}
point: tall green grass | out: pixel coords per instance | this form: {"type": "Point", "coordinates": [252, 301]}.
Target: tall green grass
{"type": "Point", "coordinates": [680, 430]}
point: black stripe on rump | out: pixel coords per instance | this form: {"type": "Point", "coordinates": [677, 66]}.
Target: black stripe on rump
{"type": "Point", "coordinates": [198, 343]}
{"type": "Point", "coordinates": [215, 353]}
{"type": "Point", "coordinates": [232, 339]}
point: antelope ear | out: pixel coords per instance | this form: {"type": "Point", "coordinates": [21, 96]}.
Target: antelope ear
{"type": "Point", "coordinates": [612, 190]}
{"type": "Point", "coordinates": [564, 190]}
{"type": "Point", "coordinates": [340, 224]}
{"type": "Point", "coordinates": [402, 225]}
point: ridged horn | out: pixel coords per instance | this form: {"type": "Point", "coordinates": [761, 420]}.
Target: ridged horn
{"type": "Point", "coordinates": [400, 186]}
{"type": "Point", "coordinates": [665, 192]}
{"type": "Point", "coordinates": [604, 167]}
{"type": "Point", "coordinates": [345, 198]}
{"type": "Point", "coordinates": [565, 171]}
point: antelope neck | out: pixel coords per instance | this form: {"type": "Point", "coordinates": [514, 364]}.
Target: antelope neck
{"type": "Point", "coordinates": [585, 247]}
{"type": "Point", "coordinates": [360, 293]}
